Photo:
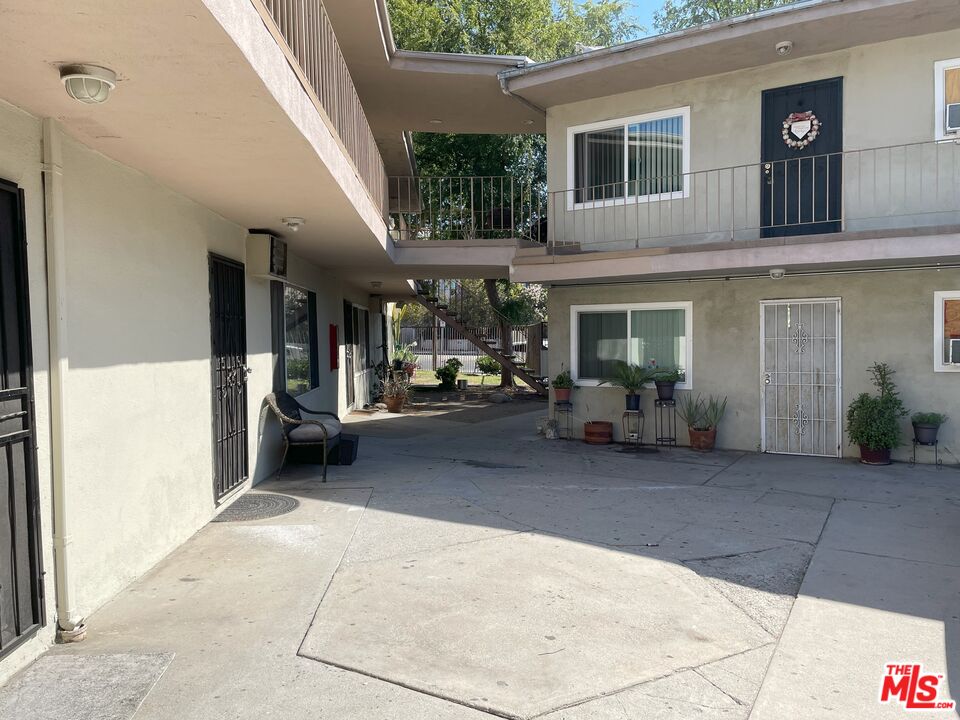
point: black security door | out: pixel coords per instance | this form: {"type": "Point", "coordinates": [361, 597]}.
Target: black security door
{"type": "Point", "coordinates": [21, 575]}
{"type": "Point", "coordinates": [228, 339]}
{"type": "Point", "coordinates": [801, 186]}
{"type": "Point", "coordinates": [349, 340]}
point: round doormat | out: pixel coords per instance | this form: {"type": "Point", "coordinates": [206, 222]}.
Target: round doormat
{"type": "Point", "coordinates": [258, 506]}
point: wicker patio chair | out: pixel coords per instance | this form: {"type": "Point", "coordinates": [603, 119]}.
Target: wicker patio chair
{"type": "Point", "coordinates": [300, 431]}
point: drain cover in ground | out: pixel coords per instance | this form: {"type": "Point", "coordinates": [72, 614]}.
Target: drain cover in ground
{"type": "Point", "coordinates": [258, 506]}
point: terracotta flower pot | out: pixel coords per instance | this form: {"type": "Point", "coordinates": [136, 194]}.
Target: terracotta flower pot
{"type": "Point", "coordinates": [394, 403]}
{"type": "Point", "coordinates": [562, 394]}
{"type": "Point", "coordinates": [599, 432]}
{"type": "Point", "coordinates": [874, 457]}
{"type": "Point", "coordinates": [702, 440]}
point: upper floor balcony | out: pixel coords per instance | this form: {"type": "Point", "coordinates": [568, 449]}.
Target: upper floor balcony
{"type": "Point", "coordinates": [865, 194]}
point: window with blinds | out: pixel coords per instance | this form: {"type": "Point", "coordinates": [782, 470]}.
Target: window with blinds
{"type": "Point", "coordinates": [637, 158]}
{"type": "Point", "coordinates": [649, 334]}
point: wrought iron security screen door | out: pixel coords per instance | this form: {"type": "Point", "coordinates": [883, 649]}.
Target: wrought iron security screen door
{"type": "Point", "coordinates": [21, 574]}
{"type": "Point", "coordinates": [228, 344]}
{"type": "Point", "coordinates": [800, 369]}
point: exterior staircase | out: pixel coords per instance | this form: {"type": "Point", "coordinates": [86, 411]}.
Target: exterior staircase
{"type": "Point", "coordinates": [440, 307]}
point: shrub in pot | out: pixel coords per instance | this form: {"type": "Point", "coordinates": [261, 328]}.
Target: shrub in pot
{"type": "Point", "coordinates": [562, 386]}
{"type": "Point", "coordinates": [667, 380]}
{"type": "Point", "coordinates": [396, 389]}
{"type": "Point", "coordinates": [632, 378]}
{"type": "Point", "coordinates": [702, 416]}
{"type": "Point", "coordinates": [447, 375]}
{"type": "Point", "coordinates": [926, 425]}
{"type": "Point", "coordinates": [873, 421]}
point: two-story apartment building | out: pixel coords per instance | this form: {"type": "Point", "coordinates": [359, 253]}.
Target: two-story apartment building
{"type": "Point", "coordinates": [194, 213]}
{"type": "Point", "coordinates": [771, 203]}
{"type": "Point", "coordinates": [228, 210]}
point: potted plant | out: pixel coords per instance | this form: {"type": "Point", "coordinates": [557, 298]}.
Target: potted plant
{"type": "Point", "coordinates": [403, 355]}
{"type": "Point", "coordinates": [667, 380]}
{"type": "Point", "coordinates": [396, 389]}
{"type": "Point", "coordinates": [873, 421]}
{"type": "Point", "coordinates": [632, 378]}
{"type": "Point", "coordinates": [926, 425]}
{"type": "Point", "coordinates": [562, 386]}
{"type": "Point", "coordinates": [597, 432]}
{"type": "Point", "coordinates": [447, 375]}
{"type": "Point", "coordinates": [702, 416]}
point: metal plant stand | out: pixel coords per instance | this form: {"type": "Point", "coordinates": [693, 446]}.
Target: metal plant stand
{"type": "Point", "coordinates": [563, 416]}
{"type": "Point", "coordinates": [632, 422]}
{"type": "Point", "coordinates": [665, 422]}
{"type": "Point", "coordinates": [936, 453]}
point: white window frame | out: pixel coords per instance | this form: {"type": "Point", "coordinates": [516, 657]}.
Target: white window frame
{"type": "Point", "coordinates": [939, 300]}
{"type": "Point", "coordinates": [940, 99]}
{"type": "Point", "coordinates": [572, 132]}
{"type": "Point", "coordinates": [575, 311]}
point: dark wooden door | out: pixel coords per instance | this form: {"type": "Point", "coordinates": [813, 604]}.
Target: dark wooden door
{"type": "Point", "coordinates": [228, 341]}
{"type": "Point", "coordinates": [801, 188]}
{"type": "Point", "coordinates": [21, 574]}
{"type": "Point", "coordinates": [349, 340]}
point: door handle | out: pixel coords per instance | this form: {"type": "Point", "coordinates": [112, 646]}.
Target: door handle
{"type": "Point", "coordinates": [766, 379]}
{"type": "Point", "coordinates": [768, 172]}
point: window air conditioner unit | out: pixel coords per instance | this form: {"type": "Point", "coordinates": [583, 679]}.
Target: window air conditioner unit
{"type": "Point", "coordinates": [266, 256]}
{"type": "Point", "coordinates": [955, 351]}
{"type": "Point", "coordinates": [953, 118]}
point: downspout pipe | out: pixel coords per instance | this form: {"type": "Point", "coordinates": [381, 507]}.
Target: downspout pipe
{"type": "Point", "coordinates": [69, 621]}
{"type": "Point", "coordinates": [505, 87]}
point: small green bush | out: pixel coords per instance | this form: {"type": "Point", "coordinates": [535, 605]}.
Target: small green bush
{"type": "Point", "coordinates": [486, 365]}
{"type": "Point", "coordinates": [874, 420]}
{"type": "Point", "coordinates": [563, 381]}
{"type": "Point", "coordinates": [928, 418]}
{"type": "Point", "coordinates": [447, 375]}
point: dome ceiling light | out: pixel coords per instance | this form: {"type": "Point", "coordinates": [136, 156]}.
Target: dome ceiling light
{"type": "Point", "coordinates": [89, 84]}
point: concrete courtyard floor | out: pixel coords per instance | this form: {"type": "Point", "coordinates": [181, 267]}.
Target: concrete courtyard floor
{"type": "Point", "coordinates": [465, 568]}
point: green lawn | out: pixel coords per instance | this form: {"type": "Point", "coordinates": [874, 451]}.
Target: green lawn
{"type": "Point", "coordinates": [426, 377]}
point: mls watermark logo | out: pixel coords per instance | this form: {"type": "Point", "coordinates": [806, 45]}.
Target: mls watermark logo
{"type": "Point", "coordinates": [911, 687]}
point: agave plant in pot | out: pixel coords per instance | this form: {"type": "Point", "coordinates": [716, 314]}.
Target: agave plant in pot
{"type": "Point", "coordinates": [702, 416]}
{"type": "Point", "coordinates": [873, 421]}
{"type": "Point", "coordinates": [667, 380]}
{"type": "Point", "coordinates": [632, 378]}
{"type": "Point", "coordinates": [926, 425]}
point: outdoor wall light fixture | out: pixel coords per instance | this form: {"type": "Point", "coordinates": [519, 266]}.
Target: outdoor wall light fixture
{"type": "Point", "coordinates": [777, 273]}
{"type": "Point", "coordinates": [293, 223]}
{"type": "Point", "coordinates": [784, 48]}
{"type": "Point", "coordinates": [88, 84]}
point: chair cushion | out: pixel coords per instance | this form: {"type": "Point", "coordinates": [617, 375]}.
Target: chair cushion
{"type": "Point", "coordinates": [288, 406]}
{"type": "Point", "coordinates": [313, 433]}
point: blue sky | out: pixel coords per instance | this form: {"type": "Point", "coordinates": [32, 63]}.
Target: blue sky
{"type": "Point", "coordinates": [642, 12]}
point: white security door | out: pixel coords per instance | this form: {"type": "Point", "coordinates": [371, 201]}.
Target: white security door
{"type": "Point", "coordinates": [800, 371]}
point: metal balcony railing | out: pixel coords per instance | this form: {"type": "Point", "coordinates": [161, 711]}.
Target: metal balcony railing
{"type": "Point", "coordinates": [467, 208]}
{"type": "Point", "coordinates": [309, 36]}
{"type": "Point", "coordinates": [901, 187]}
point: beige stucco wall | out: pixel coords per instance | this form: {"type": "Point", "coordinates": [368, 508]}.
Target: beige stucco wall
{"type": "Point", "coordinates": [888, 100]}
{"type": "Point", "coordinates": [138, 443]}
{"type": "Point", "coordinates": [886, 317]}
{"type": "Point", "coordinates": [20, 162]}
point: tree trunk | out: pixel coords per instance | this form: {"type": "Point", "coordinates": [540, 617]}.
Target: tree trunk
{"type": "Point", "coordinates": [506, 330]}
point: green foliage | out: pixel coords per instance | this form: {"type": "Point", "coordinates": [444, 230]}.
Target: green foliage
{"type": "Point", "coordinates": [563, 381]}
{"type": "Point", "coordinates": [632, 378]}
{"type": "Point", "coordinates": [928, 418]}
{"type": "Point", "coordinates": [682, 14]}
{"type": "Point", "coordinates": [873, 420]}
{"type": "Point", "coordinates": [447, 375]}
{"type": "Point", "coordinates": [673, 374]}
{"type": "Point", "coordinates": [486, 365]}
{"type": "Point", "coordinates": [404, 353]}
{"type": "Point", "coordinates": [701, 413]}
